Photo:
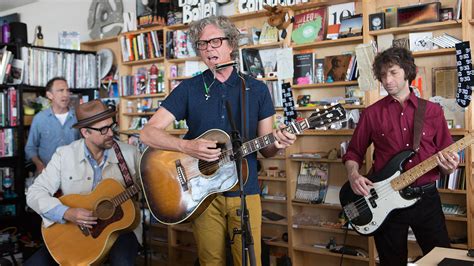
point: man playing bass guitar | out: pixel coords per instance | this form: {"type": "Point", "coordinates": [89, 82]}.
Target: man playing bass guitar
{"type": "Point", "coordinates": [201, 100]}
{"type": "Point", "coordinates": [389, 124]}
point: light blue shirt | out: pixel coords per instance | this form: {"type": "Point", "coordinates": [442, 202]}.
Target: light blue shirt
{"type": "Point", "coordinates": [56, 214]}
{"type": "Point", "coordinates": [47, 134]}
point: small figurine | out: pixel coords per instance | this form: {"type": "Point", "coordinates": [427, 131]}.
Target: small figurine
{"type": "Point", "coordinates": [153, 74]}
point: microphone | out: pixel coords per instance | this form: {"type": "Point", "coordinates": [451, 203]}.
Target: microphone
{"type": "Point", "coordinates": [226, 64]}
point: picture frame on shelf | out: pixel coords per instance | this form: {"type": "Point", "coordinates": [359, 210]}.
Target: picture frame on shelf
{"type": "Point", "coordinates": [377, 21]}
{"type": "Point", "coordinates": [418, 14]}
{"type": "Point", "coordinates": [351, 26]}
{"type": "Point", "coordinates": [444, 82]}
{"type": "Point", "coordinates": [450, 123]}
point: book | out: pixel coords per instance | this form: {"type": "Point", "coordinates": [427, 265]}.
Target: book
{"type": "Point", "coordinates": [335, 67]}
{"type": "Point", "coordinates": [420, 41]}
{"type": "Point", "coordinates": [268, 34]}
{"type": "Point", "coordinates": [309, 26]}
{"type": "Point", "coordinates": [69, 40]}
{"type": "Point", "coordinates": [351, 26]}
{"type": "Point", "coordinates": [252, 63]}
{"type": "Point", "coordinates": [303, 69]}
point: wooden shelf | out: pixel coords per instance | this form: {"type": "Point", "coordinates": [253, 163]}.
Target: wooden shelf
{"type": "Point", "coordinates": [310, 249]}
{"type": "Point", "coordinates": [262, 45]}
{"type": "Point", "coordinates": [320, 205]}
{"type": "Point", "coordinates": [179, 78]}
{"type": "Point", "coordinates": [278, 157]}
{"type": "Point", "coordinates": [182, 60]}
{"type": "Point", "coordinates": [452, 191]}
{"type": "Point", "coordinates": [455, 218]}
{"type": "Point", "coordinates": [268, 79]}
{"type": "Point", "coordinates": [191, 249]}
{"type": "Point", "coordinates": [325, 229]}
{"type": "Point", "coordinates": [326, 85]}
{"type": "Point", "coordinates": [272, 200]}
{"type": "Point", "coordinates": [458, 132]}
{"type": "Point", "coordinates": [100, 41]}
{"type": "Point", "coordinates": [156, 95]}
{"type": "Point", "coordinates": [319, 160]}
{"type": "Point", "coordinates": [419, 27]}
{"type": "Point", "coordinates": [435, 52]}
{"type": "Point", "coordinates": [144, 61]}
{"type": "Point", "coordinates": [281, 222]}
{"type": "Point", "coordinates": [328, 43]}
{"type": "Point", "coordinates": [129, 132]}
{"type": "Point", "coordinates": [276, 179]}
{"type": "Point", "coordinates": [277, 243]}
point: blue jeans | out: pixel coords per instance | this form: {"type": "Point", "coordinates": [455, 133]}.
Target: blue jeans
{"type": "Point", "coordinates": [123, 253]}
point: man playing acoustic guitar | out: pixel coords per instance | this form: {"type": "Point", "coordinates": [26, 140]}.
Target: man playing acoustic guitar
{"type": "Point", "coordinates": [201, 100]}
{"type": "Point", "coordinates": [78, 168]}
{"type": "Point", "coordinates": [389, 124]}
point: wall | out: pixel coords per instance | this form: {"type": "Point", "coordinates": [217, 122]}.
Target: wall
{"type": "Point", "coordinates": [65, 15]}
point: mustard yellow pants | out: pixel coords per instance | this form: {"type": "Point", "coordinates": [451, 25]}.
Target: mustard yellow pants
{"type": "Point", "coordinates": [221, 217]}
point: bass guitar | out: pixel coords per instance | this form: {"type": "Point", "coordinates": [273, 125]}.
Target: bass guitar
{"type": "Point", "coordinates": [367, 213]}
{"type": "Point", "coordinates": [70, 244]}
{"type": "Point", "coordinates": [178, 187]}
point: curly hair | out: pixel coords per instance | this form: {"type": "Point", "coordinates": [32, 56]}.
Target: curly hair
{"type": "Point", "coordinates": [223, 23]}
{"type": "Point", "coordinates": [395, 56]}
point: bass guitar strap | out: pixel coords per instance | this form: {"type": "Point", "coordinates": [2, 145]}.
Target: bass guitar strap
{"type": "Point", "coordinates": [127, 177]}
{"type": "Point", "coordinates": [418, 124]}
{"type": "Point", "coordinates": [245, 112]}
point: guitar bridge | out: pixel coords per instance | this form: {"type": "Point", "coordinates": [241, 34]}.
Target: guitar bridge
{"type": "Point", "coordinates": [181, 175]}
{"type": "Point", "coordinates": [351, 211]}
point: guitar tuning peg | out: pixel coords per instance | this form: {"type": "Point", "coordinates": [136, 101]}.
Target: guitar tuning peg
{"type": "Point", "coordinates": [317, 109]}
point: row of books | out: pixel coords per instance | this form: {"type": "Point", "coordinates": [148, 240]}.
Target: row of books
{"type": "Point", "coordinates": [178, 45]}
{"type": "Point", "coordinates": [139, 83]}
{"type": "Point", "coordinates": [8, 142]}
{"type": "Point", "coordinates": [455, 180]}
{"type": "Point", "coordinates": [274, 87]}
{"type": "Point", "coordinates": [145, 45]}
{"type": "Point", "coordinates": [41, 65]}
{"type": "Point", "coordinates": [8, 107]}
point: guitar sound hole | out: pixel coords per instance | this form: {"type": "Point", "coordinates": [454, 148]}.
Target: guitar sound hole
{"type": "Point", "coordinates": [208, 168]}
{"type": "Point", "coordinates": [104, 209]}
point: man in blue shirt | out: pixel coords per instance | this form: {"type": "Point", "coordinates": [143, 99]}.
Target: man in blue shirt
{"type": "Point", "coordinates": [51, 128]}
{"type": "Point", "coordinates": [201, 100]}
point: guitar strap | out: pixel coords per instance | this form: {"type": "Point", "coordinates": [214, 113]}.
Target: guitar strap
{"type": "Point", "coordinates": [127, 177]}
{"type": "Point", "coordinates": [418, 124]}
{"type": "Point", "coordinates": [245, 112]}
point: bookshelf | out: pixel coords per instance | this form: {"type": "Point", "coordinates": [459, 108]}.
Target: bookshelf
{"type": "Point", "coordinates": [301, 238]}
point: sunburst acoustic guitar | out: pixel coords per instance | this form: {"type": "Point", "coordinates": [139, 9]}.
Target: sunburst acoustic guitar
{"type": "Point", "coordinates": [178, 187]}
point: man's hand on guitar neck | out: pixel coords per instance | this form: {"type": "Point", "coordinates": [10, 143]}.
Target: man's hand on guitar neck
{"type": "Point", "coordinates": [81, 217]}
{"type": "Point", "coordinates": [202, 149]}
{"type": "Point", "coordinates": [283, 138]}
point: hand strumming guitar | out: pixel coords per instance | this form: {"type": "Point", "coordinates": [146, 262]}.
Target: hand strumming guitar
{"type": "Point", "coordinates": [81, 217]}
{"type": "Point", "coordinates": [202, 149]}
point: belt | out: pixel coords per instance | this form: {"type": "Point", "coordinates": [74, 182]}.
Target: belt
{"type": "Point", "coordinates": [420, 190]}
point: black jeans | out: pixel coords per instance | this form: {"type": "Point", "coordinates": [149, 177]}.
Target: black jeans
{"type": "Point", "coordinates": [123, 253]}
{"type": "Point", "coordinates": [427, 221]}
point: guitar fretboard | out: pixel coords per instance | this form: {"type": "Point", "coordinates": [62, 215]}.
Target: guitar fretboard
{"type": "Point", "coordinates": [414, 173]}
{"type": "Point", "coordinates": [125, 195]}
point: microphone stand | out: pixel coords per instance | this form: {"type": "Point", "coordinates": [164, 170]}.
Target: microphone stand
{"type": "Point", "coordinates": [245, 229]}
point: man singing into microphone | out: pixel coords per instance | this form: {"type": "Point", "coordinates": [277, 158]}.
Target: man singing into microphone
{"type": "Point", "coordinates": [201, 100]}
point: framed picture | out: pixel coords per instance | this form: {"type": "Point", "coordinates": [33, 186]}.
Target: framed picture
{"type": "Point", "coordinates": [444, 82]}
{"type": "Point", "coordinates": [450, 123]}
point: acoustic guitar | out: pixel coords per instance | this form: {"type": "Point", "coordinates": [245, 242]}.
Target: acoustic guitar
{"type": "Point", "coordinates": [70, 244]}
{"type": "Point", "coordinates": [368, 213]}
{"type": "Point", "coordinates": [178, 187]}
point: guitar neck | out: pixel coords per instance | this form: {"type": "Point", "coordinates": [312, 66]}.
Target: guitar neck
{"type": "Point", "coordinates": [414, 173]}
{"type": "Point", "coordinates": [126, 195]}
{"type": "Point", "coordinates": [267, 140]}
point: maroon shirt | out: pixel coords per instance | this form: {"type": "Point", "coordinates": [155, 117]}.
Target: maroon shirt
{"type": "Point", "coordinates": [390, 127]}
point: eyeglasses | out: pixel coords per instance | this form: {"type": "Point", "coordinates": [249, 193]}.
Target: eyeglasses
{"type": "Point", "coordinates": [104, 130]}
{"type": "Point", "coordinates": [215, 43]}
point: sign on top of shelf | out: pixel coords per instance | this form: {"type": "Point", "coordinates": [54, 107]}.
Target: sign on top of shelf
{"type": "Point", "coordinates": [194, 10]}
{"type": "Point", "coordinates": [246, 6]}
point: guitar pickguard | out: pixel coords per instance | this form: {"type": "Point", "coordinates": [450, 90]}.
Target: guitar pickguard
{"type": "Point", "coordinates": [201, 186]}
{"type": "Point", "coordinates": [102, 224]}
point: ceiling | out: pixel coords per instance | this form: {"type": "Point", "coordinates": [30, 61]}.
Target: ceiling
{"type": "Point", "coordinates": [9, 4]}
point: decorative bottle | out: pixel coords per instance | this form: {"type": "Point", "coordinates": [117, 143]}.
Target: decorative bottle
{"type": "Point", "coordinates": [319, 73]}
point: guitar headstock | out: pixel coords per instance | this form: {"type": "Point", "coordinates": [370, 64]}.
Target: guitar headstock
{"type": "Point", "coordinates": [327, 116]}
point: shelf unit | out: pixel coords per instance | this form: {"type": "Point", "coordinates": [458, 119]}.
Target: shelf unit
{"type": "Point", "coordinates": [302, 237]}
